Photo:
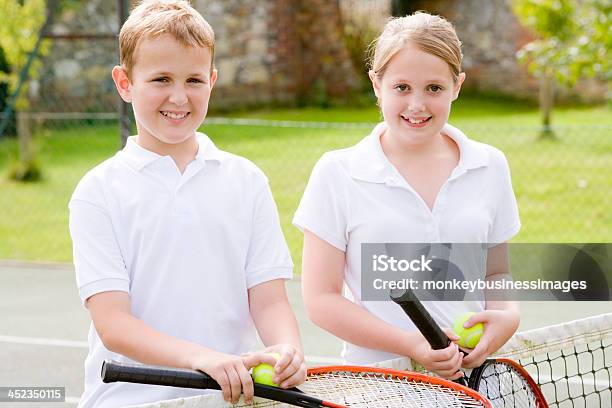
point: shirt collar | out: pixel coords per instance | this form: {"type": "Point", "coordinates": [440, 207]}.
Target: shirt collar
{"type": "Point", "coordinates": [207, 149]}
{"type": "Point", "coordinates": [369, 162]}
{"type": "Point", "coordinates": [139, 157]}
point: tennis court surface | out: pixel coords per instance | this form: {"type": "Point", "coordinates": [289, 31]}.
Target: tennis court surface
{"type": "Point", "coordinates": [44, 329]}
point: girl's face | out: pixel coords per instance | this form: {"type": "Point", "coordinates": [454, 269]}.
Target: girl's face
{"type": "Point", "coordinates": [415, 95]}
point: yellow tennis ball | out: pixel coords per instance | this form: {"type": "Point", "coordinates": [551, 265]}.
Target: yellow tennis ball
{"type": "Point", "coordinates": [469, 337]}
{"type": "Point", "coordinates": [263, 373]}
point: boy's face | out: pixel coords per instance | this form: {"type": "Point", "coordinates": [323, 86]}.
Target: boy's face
{"type": "Point", "coordinates": [170, 89]}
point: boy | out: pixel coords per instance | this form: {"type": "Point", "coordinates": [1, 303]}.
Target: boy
{"type": "Point", "coordinates": [178, 250]}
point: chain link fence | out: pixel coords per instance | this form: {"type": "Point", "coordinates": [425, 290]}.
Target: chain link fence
{"type": "Point", "coordinates": [563, 186]}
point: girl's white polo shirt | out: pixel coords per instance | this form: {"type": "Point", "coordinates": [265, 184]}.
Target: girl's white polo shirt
{"type": "Point", "coordinates": [185, 247]}
{"type": "Point", "coordinates": [357, 196]}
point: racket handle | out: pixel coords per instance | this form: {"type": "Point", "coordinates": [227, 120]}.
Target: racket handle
{"type": "Point", "coordinates": [113, 371]}
{"type": "Point", "coordinates": [421, 318]}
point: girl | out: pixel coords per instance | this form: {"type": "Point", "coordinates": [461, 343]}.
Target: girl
{"type": "Point", "coordinates": [414, 179]}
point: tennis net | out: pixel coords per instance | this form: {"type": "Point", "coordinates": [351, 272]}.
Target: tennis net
{"type": "Point", "coordinates": [572, 363]}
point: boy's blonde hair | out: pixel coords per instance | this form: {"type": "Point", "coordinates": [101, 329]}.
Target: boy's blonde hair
{"type": "Point", "coordinates": [152, 18]}
{"type": "Point", "coordinates": [431, 34]}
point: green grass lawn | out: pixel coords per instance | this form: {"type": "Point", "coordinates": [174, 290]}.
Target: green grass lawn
{"type": "Point", "coordinates": [564, 186]}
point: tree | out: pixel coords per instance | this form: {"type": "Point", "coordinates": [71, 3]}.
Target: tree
{"type": "Point", "coordinates": [4, 93]}
{"type": "Point", "coordinates": [21, 24]}
{"type": "Point", "coordinates": [573, 42]}
{"type": "Point", "coordinates": [20, 39]}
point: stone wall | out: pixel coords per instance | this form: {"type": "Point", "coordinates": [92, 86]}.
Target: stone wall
{"type": "Point", "coordinates": [285, 52]}
{"type": "Point", "coordinates": [75, 74]}
{"type": "Point", "coordinates": [242, 55]}
{"type": "Point", "coordinates": [267, 52]}
{"type": "Point", "coordinates": [278, 51]}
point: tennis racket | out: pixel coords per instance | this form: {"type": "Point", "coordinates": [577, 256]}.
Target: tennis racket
{"type": "Point", "coordinates": [503, 381]}
{"type": "Point", "coordinates": [334, 386]}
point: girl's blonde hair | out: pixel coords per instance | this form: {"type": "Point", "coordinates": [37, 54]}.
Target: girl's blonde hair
{"type": "Point", "coordinates": [430, 33]}
{"type": "Point", "coordinates": [152, 18]}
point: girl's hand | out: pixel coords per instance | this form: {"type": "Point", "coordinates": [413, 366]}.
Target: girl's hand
{"type": "Point", "coordinates": [444, 362]}
{"type": "Point", "coordinates": [499, 326]}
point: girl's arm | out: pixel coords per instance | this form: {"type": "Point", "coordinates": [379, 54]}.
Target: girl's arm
{"type": "Point", "coordinates": [322, 280]}
{"type": "Point", "coordinates": [501, 317]}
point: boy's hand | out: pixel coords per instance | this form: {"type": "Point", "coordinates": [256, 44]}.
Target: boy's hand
{"type": "Point", "coordinates": [230, 372]}
{"type": "Point", "coordinates": [289, 369]}
{"type": "Point", "coordinates": [444, 362]}
{"type": "Point", "coordinates": [499, 326]}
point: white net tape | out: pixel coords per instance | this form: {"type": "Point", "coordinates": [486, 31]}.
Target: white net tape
{"type": "Point", "coordinates": [359, 390]}
{"type": "Point", "coordinates": [558, 337]}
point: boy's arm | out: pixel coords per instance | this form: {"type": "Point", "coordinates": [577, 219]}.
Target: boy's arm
{"type": "Point", "coordinates": [278, 329]}
{"type": "Point", "coordinates": [123, 333]}
{"type": "Point", "coordinates": [322, 278]}
{"type": "Point", "coordinates": [273, 315]}
{"type": "Point", "coordinates": [501, 317]}
{"type": "Point", "coordinates": [268, 265]}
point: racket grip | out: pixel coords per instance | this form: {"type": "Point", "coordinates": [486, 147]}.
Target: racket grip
{"type": "Point", "coordinates": [421, 318]}
{"type": "Point", "coordinates": [113, 371]}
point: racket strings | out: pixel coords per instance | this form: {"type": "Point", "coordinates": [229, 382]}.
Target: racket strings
{"type": "Point", "coordinates": [506, 388]}
{"type": "Point", "coordinates": [579, 376]}
{"type": "Point", "coordinates": [354, 389]}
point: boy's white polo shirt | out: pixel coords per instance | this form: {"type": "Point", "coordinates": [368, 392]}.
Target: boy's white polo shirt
{"type": "Point", "coordinates": [185, 247]}
{"type": "Point", "coordinates": [357, 196]}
